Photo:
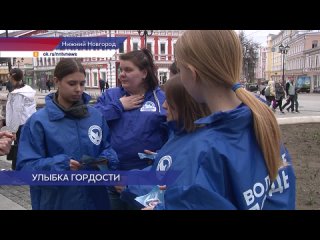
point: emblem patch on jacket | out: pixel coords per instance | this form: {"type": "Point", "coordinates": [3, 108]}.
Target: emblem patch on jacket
{"type": "Point", "coordinates": [148, 107]}
{"type": "Point", "coordinates": [164, 163]}
{"type": "Point", "coordinates": [95, 134]}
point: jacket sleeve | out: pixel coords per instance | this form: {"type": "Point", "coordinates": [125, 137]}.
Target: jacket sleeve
{"type": "Point", "coordinates": [32, 151]}
{"type": "Point", "coordinates": [107, 150]}
{"type": "Point", "coordinates": [110, 108]}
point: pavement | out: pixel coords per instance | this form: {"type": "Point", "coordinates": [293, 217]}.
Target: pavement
{"type": "Point", "coordinates": [18, 197]}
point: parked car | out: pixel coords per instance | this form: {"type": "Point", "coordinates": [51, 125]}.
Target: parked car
{"type": "Point", "coordinates": [316, 90]}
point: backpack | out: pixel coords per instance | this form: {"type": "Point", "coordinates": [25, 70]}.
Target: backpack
{"type": "Point", "coordinates": [263, 91]}
{"type": "Point", "coordinates": [267, 91]}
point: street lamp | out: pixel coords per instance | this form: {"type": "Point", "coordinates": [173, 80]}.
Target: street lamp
{"type": "Point", "coordinates": [283, 50]}
{"type": "Point", "coordinates": [145, 33]}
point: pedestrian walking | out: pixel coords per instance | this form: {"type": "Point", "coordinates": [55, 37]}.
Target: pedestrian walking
{"type": "Point", "coordinates": [279, 95]}
{"type": "Point", "coordinates": [48, 83]}
{"type": "Point", "coordinates": [102, 85]}
{"type": "Point", "coordinates": [291, 92]}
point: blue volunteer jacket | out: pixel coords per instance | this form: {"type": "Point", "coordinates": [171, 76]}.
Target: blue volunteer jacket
{"type": "Point", "coordinates": [50, 139]}
{"type": "Point", "coordinates": [135, 130]}
{"type": "Point", "coordinates": [222, 167]}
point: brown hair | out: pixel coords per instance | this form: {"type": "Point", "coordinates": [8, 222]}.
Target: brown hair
{"type": "Point", "coordinates": [216, 55]}
{"type": "Point", "coordinates": [16, 74]}
{"type": "Point", "coordinates": [188, 110]}
{"type": "Point", "coordinates": [68, 66]}
{"type": "Point", "coordinates": [173, 69]}
{"type": "Point", "coordinates": [143, 59]}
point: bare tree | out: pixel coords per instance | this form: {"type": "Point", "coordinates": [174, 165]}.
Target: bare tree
{"type": "Point", "coordinates": [249, 50]}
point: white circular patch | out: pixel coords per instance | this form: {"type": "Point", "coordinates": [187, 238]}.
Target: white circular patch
{"type": "Point", "coordinates": [95, 134]}
{"type": "Point", "coordinates": [164, 163]}
{"type": "Point", "coordinates": [148, 107]}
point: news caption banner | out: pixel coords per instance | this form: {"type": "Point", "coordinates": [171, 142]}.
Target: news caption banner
{"type": "Point", "coordinates": [63, 178]}
{"type": "Point", "coordinates": [34, 47]}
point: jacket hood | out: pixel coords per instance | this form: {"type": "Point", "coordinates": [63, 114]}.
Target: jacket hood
{"type": "Point", "coordinates": [26, 91]}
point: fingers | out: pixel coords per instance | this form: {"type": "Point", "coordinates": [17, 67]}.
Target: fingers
{"type": "Point", "coordinates": [5, 145]}
{"type": "Point", "coordinates": [148, 152]}
{"type": "Point", "coordinates": [132, 102]}
{"type": "Point", "coordinates": [163, 187]}
{"type": "Point", "coordinates": [74, 165]}
{"type": "Point", "coordinates": [119, 189]}
{"type": "Point", "coordinates": [6, 134]}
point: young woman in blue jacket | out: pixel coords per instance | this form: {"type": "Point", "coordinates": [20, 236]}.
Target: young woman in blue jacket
{"type": "Point", "coordinates": [134, 113]}
{"type": "Point", "coordinates": [182, 112]}
{"type": "Point", "coordinates": [59, 136]}
{"type": "Point", "coordinates": [237, 160]}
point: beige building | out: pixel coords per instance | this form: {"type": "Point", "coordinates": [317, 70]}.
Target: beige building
{"type": "Point", "coordinates": [269, 60]}
{"type": "Point", "coordinates": [301, 62]}
{"type": "Point", "coordinates": [260, 69]}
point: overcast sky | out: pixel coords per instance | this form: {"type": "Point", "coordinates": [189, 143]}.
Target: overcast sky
{"type": "Point", "coordinates": [260, 36]}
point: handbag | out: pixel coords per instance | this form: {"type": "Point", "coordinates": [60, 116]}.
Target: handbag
{"type": "Point", "coordinates": [13, 152]}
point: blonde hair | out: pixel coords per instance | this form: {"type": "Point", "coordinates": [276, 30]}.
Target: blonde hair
{"type": "Point", "coordinates": [216, 56]}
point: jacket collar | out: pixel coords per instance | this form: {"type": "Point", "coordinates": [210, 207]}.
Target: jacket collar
{"type": "Point", "coordinates": [56, 113]}
{"type": "Point", "coordinates": [234, 119]}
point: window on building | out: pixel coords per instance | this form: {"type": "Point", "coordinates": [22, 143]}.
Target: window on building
{"type": "Point", "coordinates": [162, 48]}
{"type": "Point", "coordinates": [314, 43]}
{"type": "Point", "coordinates": [121, 48]}
{"type": "Point", "coordinates": [95, 79]}
{"type": "Point", "coordinates": [135, 46]}
{"type": "Point", "coordinates": [87, 79]}
{"type": "Point", "coordinates": [162, 77]}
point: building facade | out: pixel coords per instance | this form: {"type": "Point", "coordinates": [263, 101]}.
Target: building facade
{"type": "Point", "coordinates": [160, 43]}
{"type": "Point", "coordinates": [260, 69]}
{"type": "Point", "coordinates": [301, 62]}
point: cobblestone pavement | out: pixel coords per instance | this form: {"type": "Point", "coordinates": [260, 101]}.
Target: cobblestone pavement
{"type": "Point", "coordinates": [17, 194]}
